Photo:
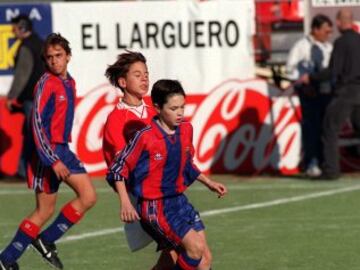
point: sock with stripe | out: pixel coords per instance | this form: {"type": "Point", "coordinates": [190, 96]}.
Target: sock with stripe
{"type": "Point", "coordinates": [26, 233]}
{"type": "Point", "coordinates": [65, 220]}
{"type": "Point", "coordinates": [184, 262]}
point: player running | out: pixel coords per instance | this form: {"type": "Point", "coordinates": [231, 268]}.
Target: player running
{"type": "Point", "coordinates": [51, 162]}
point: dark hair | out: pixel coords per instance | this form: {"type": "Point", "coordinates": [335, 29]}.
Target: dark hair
{"type": "Point", "coordinates": [162, 90]}
{"type": "Point", "coordinates": [122, 65]}
{"type": "Point", "coordinates": [23, 22]}
{"type": "Point", "coordinates": [319, 20]}
{"type": "Point", "coordinates": [56, 39]}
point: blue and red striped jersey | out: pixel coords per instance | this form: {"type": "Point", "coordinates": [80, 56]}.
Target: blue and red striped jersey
{"type": "Point", "coordinates": [53, 114]}
{"type": "Point", "coordinates": [156, 165]}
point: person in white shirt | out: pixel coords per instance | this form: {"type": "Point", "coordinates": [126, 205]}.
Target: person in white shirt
{"type": "Point", "coordinates": [309, 55]}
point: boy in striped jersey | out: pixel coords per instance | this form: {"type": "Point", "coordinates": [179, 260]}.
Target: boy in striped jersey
{"type": "Point", "coordinates": [157, 167]}
{"type": "Point", "coordinates": [129, 73]}
{"type": "Point", "coordinates": [51, 161]}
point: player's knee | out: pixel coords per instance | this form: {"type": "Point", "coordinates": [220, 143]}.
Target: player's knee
{"type": "Point", "coordinates": [89, 200]}
{"type": "Point", "coordinates": [206, 260]}
{"type": "Point", "coordinates": [196, 249]}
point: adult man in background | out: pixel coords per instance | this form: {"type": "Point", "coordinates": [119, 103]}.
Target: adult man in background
{"type": "Point", "coordinates": [344, 70]}
{"type": "Point", "coordinates": [28, 69]}
{"type": "Point", "coordinates": [310, 55]}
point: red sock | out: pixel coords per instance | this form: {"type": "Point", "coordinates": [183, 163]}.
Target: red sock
{"type": "Point", "coordinates": [29, 228]}
{"type": "Point", "coordinates": [71, 213]}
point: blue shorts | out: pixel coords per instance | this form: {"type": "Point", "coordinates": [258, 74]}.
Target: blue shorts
{"type": "Point", "coordinates": [168, 220]}
{"type": "Point", "coordinates": [43, 178]}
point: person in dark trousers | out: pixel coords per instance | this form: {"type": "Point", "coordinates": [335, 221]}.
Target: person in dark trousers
{"type": "Point", "coordinates": [309, 55]}
{"type": "Point", "coordinates": [28, 69]}
{"type": "Point", "coordinates": [344, 70]}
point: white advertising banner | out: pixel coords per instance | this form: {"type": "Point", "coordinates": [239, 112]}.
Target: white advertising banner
{"type": "Point", "coordinates": [198, 43]}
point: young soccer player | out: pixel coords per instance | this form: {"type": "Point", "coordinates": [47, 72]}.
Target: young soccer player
{"type": "Point", "coordinates": [52, 162]}
{"type": "Point", "coordinates": [130, 74]}
{"type": "Point", "coordinates": [157, 167]}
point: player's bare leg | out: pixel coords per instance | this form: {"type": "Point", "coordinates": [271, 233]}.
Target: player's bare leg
{"type": "Point", "coordinates": [70, 214]}
{"type": "Point", "coordinates": [28, 230]}
{"type": "Point", "coordinates": [45, 207]}
{"type": "Point", "coordinates": [193, 251]}
{"type": "Point", "coordinates": [206, 259]}
{"type": "Point", "coordinates": [85, 191]}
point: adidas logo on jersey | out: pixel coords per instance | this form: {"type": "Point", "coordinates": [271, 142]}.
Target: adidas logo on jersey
{"type": "Point", "coordinates": [61, 98]}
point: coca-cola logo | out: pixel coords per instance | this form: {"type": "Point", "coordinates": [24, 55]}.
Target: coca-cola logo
{"type": "Point", "coordinates": [238, 128]}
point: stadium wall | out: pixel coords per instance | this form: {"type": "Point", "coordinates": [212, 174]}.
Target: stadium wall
{"type": "Point", "coordinates": [241, 124]}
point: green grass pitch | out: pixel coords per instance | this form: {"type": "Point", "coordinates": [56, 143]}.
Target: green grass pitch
{"type": "Point", "coordinates": [263, 224]}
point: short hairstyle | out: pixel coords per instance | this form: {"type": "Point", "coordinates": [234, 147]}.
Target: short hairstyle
{"type": "Point", "coordinates": [23, 22]}
{"type": "Point", "coordinates": [319, 20]}
{"type": "Point", "coordinates": [162, 90]}
{"type": "Point", "coordinates": [56, 39]}
{"type": "Point", "coordinates": [122, 65]}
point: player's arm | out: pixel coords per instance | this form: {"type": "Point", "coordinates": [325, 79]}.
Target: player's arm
{"type": "Point", "coordinates": [127, 210]}
{"type": "Point", "coordinates": [119, 172]}
{"type": "Point", "coordinates": [42, 142]}
{"type": "Point", "coordinates": [214, 186]}
{"type": "Point", "coordinates": [192, 171]}
{"type": "Point", "coordinates": [338, 61]}
{"type": "Point", "coordinates": [22, 75]}
{"type": "Point", "coordinates": [113, 140]}
{"type": "Point", "coordinates": [296, 55]}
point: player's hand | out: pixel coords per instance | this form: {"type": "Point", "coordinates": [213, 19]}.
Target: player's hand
{"type": "Point", "coordinates": [61, 171]}
{"type": "Point", "coordinates": [128, 213]}
{"type": "Point", "coordinates": [219, 188]}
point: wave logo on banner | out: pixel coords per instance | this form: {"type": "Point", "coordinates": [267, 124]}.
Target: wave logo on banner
{"type": "Point", "coordinates": [39, 14]}
{"type": "Point", "coordinates": [239, 127]}
{"type": "Point", "coordinates": [244, 127]}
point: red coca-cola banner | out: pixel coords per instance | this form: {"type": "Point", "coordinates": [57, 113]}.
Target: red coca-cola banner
{"type": "Point", "coordinates": [10, 139]}
{"type": "Point", "coordinates": [239, 127]}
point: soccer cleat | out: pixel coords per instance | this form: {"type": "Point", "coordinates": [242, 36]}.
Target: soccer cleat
{"type": "Point", "coordinates": [13, 266]}
{"type": "Point", "coordinates": [48, 252]}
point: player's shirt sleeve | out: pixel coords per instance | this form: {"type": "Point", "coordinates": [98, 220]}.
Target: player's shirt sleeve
{"type": "Point", "coordinates": [42, 113]}
{"type": "Point", "coordinates": [191, 171]}
{"type": "Point", "coordinates": [113, 140]}
{"type": "Point", "coordinates": [125, 162]}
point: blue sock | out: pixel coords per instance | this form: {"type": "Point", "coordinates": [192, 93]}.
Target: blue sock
{"type": "Point", "coordinates": [26, 233]}
{"type": "Point", "coordinates": [57, 229]}
{"type": "Point", "coordinates": [184, 262]}
{"type": "Point", "coordinates": [64, 221]}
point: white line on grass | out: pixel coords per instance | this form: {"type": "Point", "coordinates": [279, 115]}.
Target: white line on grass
{"type": "Point", "coordinates": [30, 192]}
{"type": "Point", "coordinates": [91, 234]}
{"type": "Point", "coordinates": [280, 201]}
{"type": "Point", "coordinates": [194, 188]}
{"type": "Point", "coordinates": [228, 210]}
